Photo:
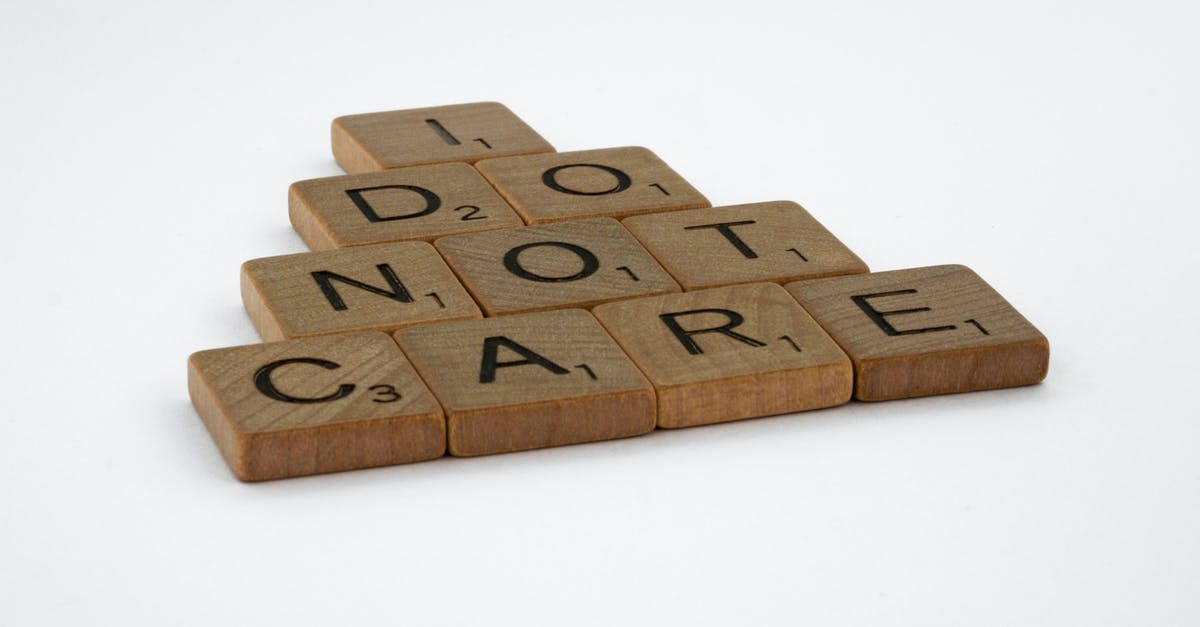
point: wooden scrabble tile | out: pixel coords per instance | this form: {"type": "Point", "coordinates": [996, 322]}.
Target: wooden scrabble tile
{"type": "Point", "coordinates": [764, 241]}
{"type": "Point", "coordinates": [570, 264]}
{"type": "Point", "coordinates": [530, 381]}
{"type": "Point", "coordinates": [613, 182]}
{"type": "Point", "coordinates": [464, 132]}
{"type": "Point", "coordinates": [924, 331]}
{"type": "Point", "coordinates": [366, 288]}
{"type": "Point", "coordinates": [419, 203]}
{"type": "Point", "coordinates": [729, 353]}
{"type": "Point", "coordinates": [325, 404]}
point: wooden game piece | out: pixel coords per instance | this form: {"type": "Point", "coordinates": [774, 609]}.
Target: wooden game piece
{"type": "Point", "coordinates": [729, 353]}
{"type": "Point", "coordinates": [366, 288]}
{"type": "Point", "coordinates": [419, 203]}
{"type": "Point", "coordinates": [765, 241]}
{"type": "Point", "coordinates": [464, 132]}
{"type": "Point", "coordinates": [925, 331]}
{"type": "Point", "coordinates": [572, 264]}
{"type": "Point", "coordinates": [316, 405]}
{"type": "Point", "coordinates": [613, 182]}
{"type": "Point", "coordinates": [530, 381]}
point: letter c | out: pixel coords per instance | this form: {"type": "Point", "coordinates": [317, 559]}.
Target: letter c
{"type": "Point", "coordinates": [262, 381]}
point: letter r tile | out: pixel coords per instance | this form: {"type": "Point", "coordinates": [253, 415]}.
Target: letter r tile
{"type": "Point", "coordinates": [729, 353]}
{"type": "Point", "coordinates": [316, 405]}
{"type": "Point", "coordinates": [529, 381]}
{"type": "Point", "coordinates": [924, 331]}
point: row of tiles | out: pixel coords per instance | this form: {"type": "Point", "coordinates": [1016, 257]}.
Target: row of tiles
{"type": "Point", "coordinates": [524, 381]}
{"type": "Point", "coordinates": [578, 263]}
{"type": "Point", "coordinates": [427, 202]}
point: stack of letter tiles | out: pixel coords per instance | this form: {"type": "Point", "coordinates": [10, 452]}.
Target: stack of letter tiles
{"type": "Point", "coordinates": [473, 291]}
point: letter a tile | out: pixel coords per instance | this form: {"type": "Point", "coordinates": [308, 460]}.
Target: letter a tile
{"type": "Point", "coordinates": [530, 381]}
{"type": "Point", "coordinates": [924, 331]}
{"type": "Point", "coordinates": [421, 203]}
{"type": "Point", "coordinates": [368, 142]}
{"type": "Point", "coordinates": [573, 264]}
{"type": "Point", "coordinates": [729, 353]}
{"type": "Point", "coordinates": [365, 288]}
{"type": "Point", "coordinates": [302, 407]}
{"type": "Point", "coordinates": [766, 241]}
{"type": "Point", "coordinates": [614, 182]}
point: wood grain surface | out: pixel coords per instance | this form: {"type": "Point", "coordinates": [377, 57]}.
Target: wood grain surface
{"type": "Point", "coordinates": [418, 203]}
{"type": "Point", "coordinates": [729, 353]}
{"type": "Point", "coordinates": [572, 264]}
{"type": "Point", "coordinates": [530, 381]}
{"type": "Point", "coordinates": [766, 241]}
{"type": "Point", "coordinates": [614, 182]}
{"type": "Point", "coordinates": [316, 405]}
{"type": "Point", "coordinates": [924, 331]}
{"type": "Point", "coordinates": [366, 288]}
{"type": "Point", "coordinates": [368, 142]}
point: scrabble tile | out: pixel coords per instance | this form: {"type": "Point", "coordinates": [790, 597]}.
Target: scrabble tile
{"type": "Point", "coordinates": [924, 331]}
{"type": "Point", "coordinates": [419, 203]}
{"type": "Point", "coordinates": [325, 404]}
{"type": "Point", "coordinates": [613, 182]}
{"type": "Point", "coordinates": [571, 264]}
{"type": "Point", "coordinates": [729, 353]}
{"type": "Point", "coordinates": [530, 381]}
{"type": "Point", "coordinates": [764, 241]}
{"type": "Point", "coordinates": [366, 288]}
{"type": "Point", "coordinates": [464, 132]}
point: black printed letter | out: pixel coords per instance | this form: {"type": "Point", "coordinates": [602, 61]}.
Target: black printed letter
{"type": "Point", "coordinates": [491, 345]}
{"type": "Point", "coordinates": [880, 317]}
{"type": "Point", "coordinates": [262, 381]}
{"type": "Point", "coordinates": [432, 202]}
{"type": "Point", "coordinates": [685, 337]}
{"type": "Point", "coordinates": [512, 261]}
{"type": "Point", "coordinates": [549, 177]}
{"type": "Point", "coordinates": [325, 280]}
{"type": "Point", "coordinates": [726, 229]}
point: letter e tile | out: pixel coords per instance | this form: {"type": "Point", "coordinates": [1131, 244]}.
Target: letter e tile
{"type": "Point", "coordinates": [924, 331]}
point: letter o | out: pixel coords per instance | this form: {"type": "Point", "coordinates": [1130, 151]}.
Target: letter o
{"type": "Point", "coordinates": [512, 261]}
{"type": "Point", "coordinates": [549, 177]}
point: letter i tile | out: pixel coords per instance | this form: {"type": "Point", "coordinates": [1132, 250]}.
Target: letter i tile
{"type": "Point", "coordinates": [368, 142]}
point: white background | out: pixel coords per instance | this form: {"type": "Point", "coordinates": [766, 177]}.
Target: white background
{"type": "Point", "coordinates": [145, 153]}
